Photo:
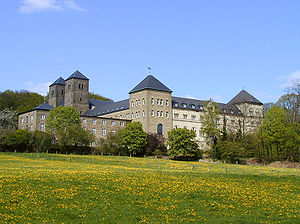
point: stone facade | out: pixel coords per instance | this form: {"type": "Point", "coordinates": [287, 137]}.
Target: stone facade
{"type": "Point", "coordinates": [150, 103]}
{"type": "Point", "coordinates": [77, 94]}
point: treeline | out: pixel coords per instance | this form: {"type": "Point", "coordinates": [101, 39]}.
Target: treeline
{"type": "Point", "coordinates": [277, 139]}
{"type": "Point", "coordinates": [23, 100]}
{"type": "Point", "coordinates": [20, 101]}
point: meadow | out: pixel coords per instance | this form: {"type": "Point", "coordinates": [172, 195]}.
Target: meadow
{"type": "Point", "coordinates": [55, 188]}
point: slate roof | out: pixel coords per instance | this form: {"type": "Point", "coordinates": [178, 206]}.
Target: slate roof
{"type": "Point", "coordinates": [150, 82]}
{"type": "Point", "coordinates": [198, 105]}
{"type": "Point", "coordinates": [244, 97]}
{"type": "Point", "coordinates": [43, 106]}
{"type": "Point", "coordinates": [77, 75]}
{"type": "Point", "coordinates": [101, 107]}
{"type": "Point", "coordinates": [59, 81]}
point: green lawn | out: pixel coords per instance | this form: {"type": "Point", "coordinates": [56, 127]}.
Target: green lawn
{"type": "Point", "coordinates": [53, 188]}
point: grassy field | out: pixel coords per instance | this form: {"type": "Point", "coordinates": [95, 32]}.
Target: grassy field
{"type": "Point", "coordinates": [49, 188]}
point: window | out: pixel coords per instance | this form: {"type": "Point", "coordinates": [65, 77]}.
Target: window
{"type": "Point", "coordinates": [79, 86]}
{"type": "Point", "coordinates": [94, 121]}
{"type": "Point", "coordinates": [80, 99]}
{"type": "Point", "coordinates": [84, 120]}
{"type": "Point", "coordinates": [152, 113]}
{"type": "Point", "coordinates": [139, 102]}
{"type": "Point", "coordinates": [143, 113]}
{"type": "Point", "coordinates": [232, 112]}
{"type": "Point", "coordinates": [184, 105]}
{"type": "Point", "coordinates": [113, 131]}
{"type": "Point", "coordinates": [22, 120]}
{"type": "Point", "coordinates": [185, 116]}
{"type": "Point", "coordinates": [120, 116]}
{"type": "Point", "coordinates": [42, 127]}
{"type": "Point", "coordinates": [158, 114]}
{"type": "Point", "coordinates": [175, 104]}
{"type": "Point", "coordinates": [26, 119]}
{"type": "Point", "coordinates": [103, 131]}
{"type": "Point", "coordinates": [139, 114]}
{"type": "Point", "coordinates": [32, 117]}
{"type": "Point", "coordinates": [201, 108]}
{"type": "Point", "coordinates": [167, 114]}
{"type": "Point", "coordinates": [43, 116]}
{"type": "Point", "coordinates": [122, 124]}
{"type": "Point", "coordinates": [132, 104]}
{"type": "Point", "coordinates": [161, 114]}
{"type": "Point", "coordinates": [104, 122]}
{"type": "Point", "coordinates": [132, 116]}
{"type": "Point", "coordinates": [167, 102]}
{"type": "Point", "coordinates": [94, 131]}
{"type": "Point", "coordinates": [93, 143]}
{"type": "Point", "coordinates": [193, 117]}
{"type": "Point", "coordinates": [143, 101]}
{"type": "Point", "coordinates": [31, 127]}
{"type": "Point", "coordinates": [152, 101]}
{"type": "Point", "coordinates": [193, 106]}
{"type": "Point", "coordinates": [157, 101]}
{"type": "Point", "coordinates": [159, 129]}
{"type": "Point", "coordinates": [136, 102]}
{"type": "Point", "coordinates": [176, 115]}
{"type": "Point", "coordinates": [251, 110]}
{"type": "Point", "coordinates": [62, 92]}
{"type": "Point", "coordinates": [161, 102]}
{"type": "Point", "coordinates": [69, 87]}
{"type": "Point", "coordinates": [113, 123]}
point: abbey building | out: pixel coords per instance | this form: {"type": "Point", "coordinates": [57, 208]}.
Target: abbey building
{"type": "Point", "coordinates": [150, 102]}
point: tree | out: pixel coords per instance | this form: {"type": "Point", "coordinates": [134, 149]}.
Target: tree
{"type": "Point", "coordinates": [98, 97]}
{"type": "Point", "coordinates": [20, 101]}
{"type": "Point", "coordinates": [210, 123]}
{"type": "Point", "coordinates": [41, 141]}
{"type": "Point", "coordinates": [64, 123]}
{"type": "Point", "coordinates": [275, 131]}
{"type": "Point", "coordinates": [8, 119]}
{"type": "Point", "coordinates": [156, 144]}
{"type": "Point", "coordinates": [133, 138]}
{"type": "Point", "coordinates": [19, 140]}
{"type": "Point", "coordinates": [182, 142]}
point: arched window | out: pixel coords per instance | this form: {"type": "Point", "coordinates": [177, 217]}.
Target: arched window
{"type": "Point", "coordinates": [159, 129]}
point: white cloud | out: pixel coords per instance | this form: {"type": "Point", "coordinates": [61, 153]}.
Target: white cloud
{"type": "Point", "coordinates": [41, 88]}
{"type": "Point", "coordinates": [214, 97]}
{"type": "Point", "coordinates": [29, 6]}
{"type": "Point", "coordinates": [191, 97]}
{"type": "Point", "coordinates": [288, 79]}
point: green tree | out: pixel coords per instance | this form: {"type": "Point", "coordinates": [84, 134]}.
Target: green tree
{"type": "Point", "coordinates": [182, 142]}
{"type": "Point", "coordinates": [275, 131]}
{"type": "Point", "coordinates": [20, 101]}
{"type": "Point", "coordinates": [133, 138]}
{"type": "Point", "coordinates": [98, 97]}
{"type": "Point", "coordinates": [64, 123]}
{"type": "Point", "coordinates": [209, 121]}
{"type": "Point", "coordinates": [19, 140]}
{"type": "Point", "coordinates": [41, 141]}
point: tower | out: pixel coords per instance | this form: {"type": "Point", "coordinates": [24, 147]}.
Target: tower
{"type": "Point", "coordinates": [77, 92]}
{"type": "Point", "coordinates": [150, 103]}
{"type": "Point", "coordinates": [57, 92]}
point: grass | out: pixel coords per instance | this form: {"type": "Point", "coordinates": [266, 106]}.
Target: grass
{"type": "Point", "coordinates": [50, 188]}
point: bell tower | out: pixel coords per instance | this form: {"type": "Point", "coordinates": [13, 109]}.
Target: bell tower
{"type": "Point", "coordinates": [150, 103]}
{"type": "Point", "coordinates": [57, 92]}
{"type": "Point", "coordinates": [77, 92]}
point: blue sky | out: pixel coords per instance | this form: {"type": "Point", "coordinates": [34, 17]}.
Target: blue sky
{"type": "Point", "coordinates": [199, 49]}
